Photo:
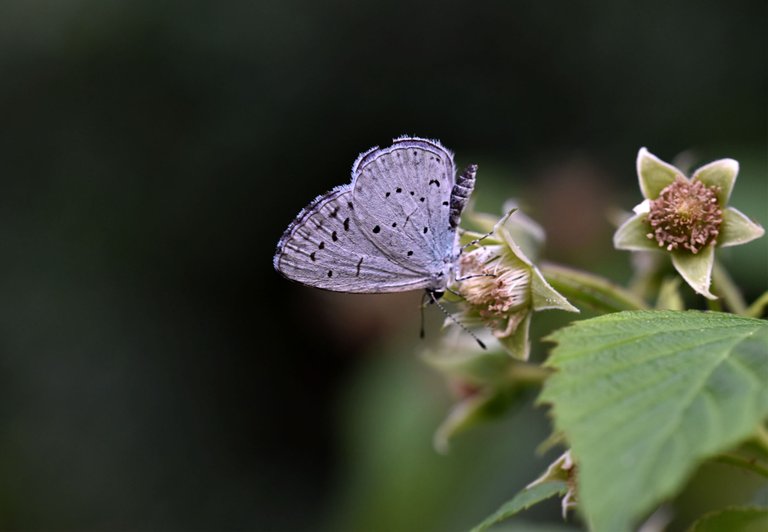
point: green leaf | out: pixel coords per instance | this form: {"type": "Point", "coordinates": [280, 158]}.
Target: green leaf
{"type": "Point", "coordinates": [524, 500]}
{"type": "Point", "coordinates": [732, 520]}
{"type": "Point", "coordinates": [643, 397]}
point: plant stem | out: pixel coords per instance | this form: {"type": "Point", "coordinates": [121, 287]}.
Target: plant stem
{"type": "Point", "coordinates": [527, 373]}
{"type": "Point", "coordinates": [744, 463]}
{"type": "Point", "coordinates": [714, 305]}
{"type": "Point", "coordinates": [757, 307]}
{"type": "Point", "coordinates": [590, 290]}
{"type": "Point", "coordinates": [760, 438]}
{"type": "Point", "coordinates": [725, 287]}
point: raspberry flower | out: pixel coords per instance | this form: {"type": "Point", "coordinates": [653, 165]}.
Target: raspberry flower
{"type": "Point", "coordinates": [687, 218]}
{"type": "Point", "coordinates": [501, 287]}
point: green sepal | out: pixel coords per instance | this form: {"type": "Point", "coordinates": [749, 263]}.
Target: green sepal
{"type": "Point", "coordinates": [737, 229]}
{"type": "Point", "coordinates": [524, 500]}
{"type": "Point", "coordinates": [590, 290]}
{"type": "Point", "coordinates": [633, 235]}
{"type": "Point", "coordinates": [654, 174]}
{"type": "Point", "coordinates": [696, 269]}
{"type": "Point", "coordinates": [517, 344]}
{"type": "Point", "coordinates": [721, 174]}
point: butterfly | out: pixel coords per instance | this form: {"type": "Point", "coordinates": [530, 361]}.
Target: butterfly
{"type": "Point", "coordinates": [392, 229]}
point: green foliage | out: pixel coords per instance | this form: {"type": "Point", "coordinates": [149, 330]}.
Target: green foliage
{"type": "Point", "coordinates": [643, 397]}
{"type": "Point", "coordinates": [590, 291]}
{"type": "Point", "coordinates": [733, 519]}
{"type": "Point", "coordinates": [523, 500]}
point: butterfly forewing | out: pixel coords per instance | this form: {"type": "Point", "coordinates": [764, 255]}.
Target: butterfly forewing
{"type": "Point", "coordinates": [325, 247]}
{"type": "Point", "coordinates": [402, 197]}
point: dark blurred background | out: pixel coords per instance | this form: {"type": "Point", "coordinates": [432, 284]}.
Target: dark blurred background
{"type": "Point", "coordinates": [156, 373]}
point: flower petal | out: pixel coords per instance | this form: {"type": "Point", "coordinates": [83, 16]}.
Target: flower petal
{"type": "Point", "coordinates": [737, 229]}
{"type": "Point", "coordinates": [654, 174]}
{"type": "Point", "coordinates": [721, 174]}
{"type": "Point", "coordinates": [696, 269]}
{"type": "Point", "coordinates": [633, 235]}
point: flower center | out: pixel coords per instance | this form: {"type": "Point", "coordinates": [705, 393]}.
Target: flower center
{"type": "Point", "coordinates": [496, 284]}
{"type": "Point", "coordinates": [685, 215]}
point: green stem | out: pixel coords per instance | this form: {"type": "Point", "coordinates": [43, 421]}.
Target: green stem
{"type": "Point", "coordinates": [527, 373]}
{"type": "Point", "coordinates": [590, 290]}
{"type": "Point", "coordinates": [755, 310]}
{"type": "Point", "coordinates": [744, 463]}
{"type": "Point", "coordinates": [727, 289]}
{"type": "Point", "coordinates": [760, 438]}
{"type": "Point", "coordinates": [714, 305]}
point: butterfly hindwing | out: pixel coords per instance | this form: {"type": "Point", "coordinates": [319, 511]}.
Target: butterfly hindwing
{"type": "Point", "coordinates": [326, 247]}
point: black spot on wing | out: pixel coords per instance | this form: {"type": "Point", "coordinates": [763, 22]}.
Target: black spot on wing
{"type": "Point", "coordinates": [376, 229]}
{"type": "Point", "coordinates": [330, 273]}
{"type": "Point", "coordinates": [346, 224]}
{"type": "Point", "coordinates": [334, 236]}
{"type": "Point", "coordinates": [357, 273]}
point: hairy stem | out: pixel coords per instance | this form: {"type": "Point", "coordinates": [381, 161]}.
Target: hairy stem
{"type": "Point", "coordinates": [727, 289]}
{"type": "Point", "coordinates": [744, 463]}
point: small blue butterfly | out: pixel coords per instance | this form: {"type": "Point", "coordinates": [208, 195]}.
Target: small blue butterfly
{"type": "Point", "coordinates": [392, 229]}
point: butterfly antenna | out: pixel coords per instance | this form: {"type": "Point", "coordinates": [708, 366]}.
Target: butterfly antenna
{"type": "Point", "coordinates": [423, 304]}
{"type": "Point", "coordinates": [489, 233]}
{"type": "Point", "coordinates": [453, 319]}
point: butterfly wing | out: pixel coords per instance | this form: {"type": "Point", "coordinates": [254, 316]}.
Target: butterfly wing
{"type": "Point", "coordinates": [325, 247]}
{"type": "Point", "coordinates": [402, 197]}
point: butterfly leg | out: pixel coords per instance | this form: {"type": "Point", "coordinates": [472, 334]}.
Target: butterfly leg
{"type": "Point", "coordinates": [451, 317]}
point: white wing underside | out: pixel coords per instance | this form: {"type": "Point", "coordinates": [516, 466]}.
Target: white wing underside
{"type": "Point", "coordinates": [406, 190]}
{"type": "Point", "coordinates": [377, 234]}
{"type": "Point", "coordinates": [318, 251]}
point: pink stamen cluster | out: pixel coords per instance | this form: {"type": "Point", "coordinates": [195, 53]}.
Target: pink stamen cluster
{"type": "Point", "coordinates": [495, 289]}
{"type": "Point", "coordinates": [685, 215]}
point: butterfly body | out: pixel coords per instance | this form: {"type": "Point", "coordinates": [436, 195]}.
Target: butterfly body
{"type": "Point", "coordinates": [392, 229]}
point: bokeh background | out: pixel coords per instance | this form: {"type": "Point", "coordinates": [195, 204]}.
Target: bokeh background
{"type": "Point", "coordinates": [156, 373]}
